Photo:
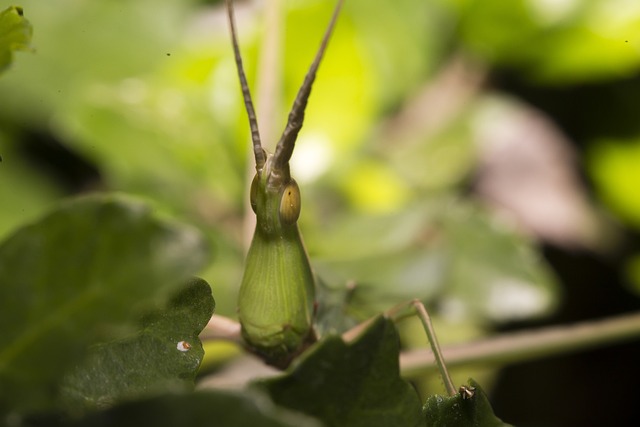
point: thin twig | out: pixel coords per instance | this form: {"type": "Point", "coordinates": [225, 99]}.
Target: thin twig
{"type": "Point", "coordinates": [222, 328]}
{"type": "Point", "coordinates": [435, 347]}
{"type": "Point", "coordinates": [396, 314]}
{"type": "Point", "coordinates": [528, 345]}
{"type": "Point", "coordinates": [499, 350]}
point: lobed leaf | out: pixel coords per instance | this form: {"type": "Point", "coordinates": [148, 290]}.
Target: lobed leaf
{"type": "Point", "coordinates": [205, 408]}
{"type": "Point", "coordinates": [352, 385]}
{"type": "Point", "coordinates": [454, 411]}
{"type": "Point", "coordinates": [80, 276]}
{"type": "Point", "coordinates": [164, 356]}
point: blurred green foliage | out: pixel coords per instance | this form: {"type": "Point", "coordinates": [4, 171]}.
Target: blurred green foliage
{"type": "Point", "coordinates": [614, 165]}
{"type": "Point", "coordinates": [554, 41]}
{"type": "Point", "coordinates": [147, 93]}
{"type": "Point", "coordinates": [15, 34]}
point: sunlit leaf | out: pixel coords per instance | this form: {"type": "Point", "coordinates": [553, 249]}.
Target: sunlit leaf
{"type": "Point", "coordinates": [15, 34]}
{"type": "Point", "coordinates": [555, 42]}
{"type": "Point", "coordinates": [614, 167]}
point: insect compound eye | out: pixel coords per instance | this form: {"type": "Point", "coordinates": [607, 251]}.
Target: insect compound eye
{"type": "Point", "coordinates": [290, 203]}
{"type": "Point", "coordinates": [253, 194]}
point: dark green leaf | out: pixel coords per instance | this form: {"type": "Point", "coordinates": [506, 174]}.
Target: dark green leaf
{"type": "Point", "coordinates": [352, 385]}
{"type": "Point", "coordinates": [456, 411]}
{"type": "Point", "coordinates": [332, 315]}
{"type": "Point", "coordinates": [163, 356]}
{"type": "Point", "coordinates": [15, 34]}
{"type": "Point", "coordinates": [207, 408]}
{"type": "Point", "coordinates": [77, 277]}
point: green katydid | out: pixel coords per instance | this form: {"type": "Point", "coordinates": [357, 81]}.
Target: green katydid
{"type": "Point", "coordinates": [276, 303]}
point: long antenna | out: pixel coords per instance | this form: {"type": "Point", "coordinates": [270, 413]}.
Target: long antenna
{"type": "Point", "coordinates": [253, 121]}
{"type": "Point", "coordinates": [284, 149]}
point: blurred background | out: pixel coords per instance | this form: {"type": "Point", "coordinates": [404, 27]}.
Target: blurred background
{"type": "Point", "coordinates": [482, 155]}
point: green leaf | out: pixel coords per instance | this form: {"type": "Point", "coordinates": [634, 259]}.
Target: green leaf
{"type": "Point", "coordinates": [443, 248]}
{"type": "Point", "coordinates": [165, 355]}
{"type": "Point", "coordinates": [454, 411]}
{"type": "Point", "coordinates": [76, 277]}
{"type": "Point", "coordinates": [352, 385]}
{"type": "Point", "coordinates": [553, 42]}
{"type": "Point", "coordinates": [15, 34]}
{"type": "Point", "coordinates": [494, 272]}
{"type": "Point", "coordinates": [206, 408]}
{"type": "Point", "coordinates": [481, 32]}
{"type": "Point", "coordinates": [613, 164]}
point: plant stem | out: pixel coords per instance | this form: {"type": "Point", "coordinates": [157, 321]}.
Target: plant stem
{"type": "Point", "coordinates": [499, 350]}
{"type": "Point", "coordinates": [423, 315]}
{"type": "Point", "coordinates": [528, 345]}
{"type": "Point", "coordinates": [222, 328]}
{"type": "Point", "coordinates": [435, 347]}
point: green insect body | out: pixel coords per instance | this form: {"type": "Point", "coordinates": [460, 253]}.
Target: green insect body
{"type": "Point", "coordinates": [277, 293]}
{"type": "Point", "coordinates": [276, 300]}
